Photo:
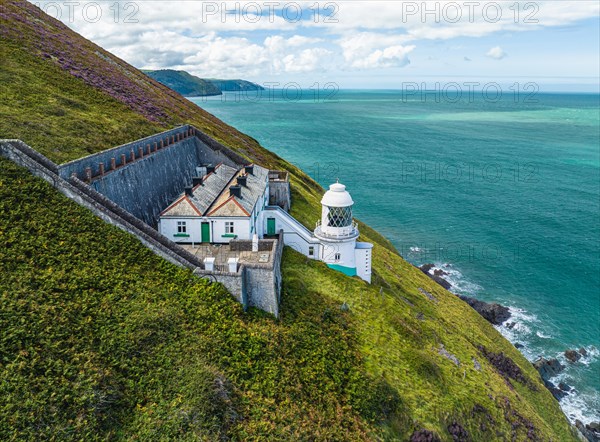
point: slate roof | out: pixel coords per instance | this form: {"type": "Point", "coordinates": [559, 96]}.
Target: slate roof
{"type": "Point", "coordinates": [212, 197]}
{"type": "Point", "coordinates": [211, 187]}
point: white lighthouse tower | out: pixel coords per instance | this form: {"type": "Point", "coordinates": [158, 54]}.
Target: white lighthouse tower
{"type": "Point", "coordinates": [337, 233]}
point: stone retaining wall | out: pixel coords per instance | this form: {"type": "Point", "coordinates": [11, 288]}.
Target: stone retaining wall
{"type": "Point", "coordinates": [256, 284]}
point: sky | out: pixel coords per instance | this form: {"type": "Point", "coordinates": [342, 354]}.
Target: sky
{"type": "Point", "coordinates": [553, 45]}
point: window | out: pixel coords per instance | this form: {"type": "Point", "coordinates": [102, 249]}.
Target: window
{"type": "Point", "coordinates": [339, 216]}
{"type": "Point", "coordinates": [311, 251]}
{"type": "Point", "coordinates": [181, 227]}
{"type": "Point", "coordinates": [228, 227]}
{"type": "Point", "coordinates": [337, 256]}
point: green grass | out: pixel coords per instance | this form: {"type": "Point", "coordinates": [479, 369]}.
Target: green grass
{"type": "Point", "coordinates": [103, 340]}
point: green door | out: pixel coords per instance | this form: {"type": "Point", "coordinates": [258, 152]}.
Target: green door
{"type": "Point", "coordinates": [270, 226]}
{"type": "Point", "coordinates": [205, 232]}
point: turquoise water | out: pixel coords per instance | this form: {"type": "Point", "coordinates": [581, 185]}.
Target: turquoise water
{"type": "Point", "coordinates": [505, 196]}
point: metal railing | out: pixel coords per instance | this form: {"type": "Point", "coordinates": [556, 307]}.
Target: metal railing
{"type": "Point", "coordinates": [341, 232]}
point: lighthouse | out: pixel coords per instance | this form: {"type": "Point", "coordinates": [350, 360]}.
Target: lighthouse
{"type": "Point", "coordinates": [337, 232]}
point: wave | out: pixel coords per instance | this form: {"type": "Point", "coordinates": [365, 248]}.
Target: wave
{"type": "Point", "coordinates": [535, 339]}
{"type": "Point", "coordinates": [460, 284]}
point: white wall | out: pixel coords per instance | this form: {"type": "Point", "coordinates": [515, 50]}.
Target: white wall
{"type": "Point", "coordinates": [241, 228]}
{"type": "Point", "coordinates": [363, 252]}
{"type": "Point", "coordinates": [345, 249]}
{"type": "Point", "coordinates": [295, 235]}
{"type": "Point", "coordinates": [168, 227]}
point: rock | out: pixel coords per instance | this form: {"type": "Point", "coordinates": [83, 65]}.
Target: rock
{"type": "Point", "coordinates": [429, 295]}
{"type": "Point", "coordinates": [441, 281]}
{"type": "Point", "coordinates": [445, 353]}
{"type": "Point", "coordinates": [583, 351]}
{"type": "Point", "coordinates": [476, 364]}
{"type": "Point", "coordinates": [511, 325]}
{"type": "Point", "coordinates": [564, 387]}
{"type": "Point", "coordinates": [425, 268]}
{"type": "Point", "coordinates": [572, 355]}
{"type": "Point", "coordinates": [439, 272]}
{"type": "Point", "coordinates": [556, 392]}
{"type": "Point", "coordinates": [494, 313]}
{"type": "Point", "coordinates": [594, 426]}
{"type": "Point", "coordinates": [589, 431]}
{"type": "Point", "coordinates": [548, 368]}
{"type": "Point", "coordinates": [519, 346]}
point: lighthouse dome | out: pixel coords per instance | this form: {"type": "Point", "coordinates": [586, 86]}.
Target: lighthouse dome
{"type": "Point", "coordinates": [337, 196]}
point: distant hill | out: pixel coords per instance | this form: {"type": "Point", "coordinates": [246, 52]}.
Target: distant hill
{"type": "Point", "coordinates": [191, 86]}
{"type": "Point", "coordinates": [184, 83]}
{"type": "Point", "coordinates": [235, 85]}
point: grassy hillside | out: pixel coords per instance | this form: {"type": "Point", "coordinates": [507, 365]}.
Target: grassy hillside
{"type": "Point", "coordinates": [184, 83]}
{"type": "Point", "coordinates": [103, 340]}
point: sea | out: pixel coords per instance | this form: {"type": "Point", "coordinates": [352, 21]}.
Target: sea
{"type": "Point", "coordinates": [502, 193]}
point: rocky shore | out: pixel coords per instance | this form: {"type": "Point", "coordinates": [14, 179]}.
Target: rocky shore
{"type": "Point", "coordinates": [498, 314]}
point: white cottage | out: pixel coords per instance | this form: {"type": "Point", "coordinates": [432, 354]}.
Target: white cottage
{"type": "Point", "coordinates": [222, 204]}
{"type": "Point", "coordinates": [226, 203]}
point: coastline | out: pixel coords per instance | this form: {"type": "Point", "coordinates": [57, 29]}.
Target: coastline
{"type": "Point", "coordinates": [514, 325]}
{"type": "Point", "coordinates": [521, 285]}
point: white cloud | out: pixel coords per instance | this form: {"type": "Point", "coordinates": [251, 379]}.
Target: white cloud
{"type": "Point", "coordinates": [309, 60]}
{"type": "Point", "coordinates": [372, 50]}
{"type": "Point", "coordinates": [497, 53]}
{"type": "Point", "coordinates": [194, 36]}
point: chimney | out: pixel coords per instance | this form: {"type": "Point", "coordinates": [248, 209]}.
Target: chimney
{"type": "Point", "coordinates": [241, 180]}
{"type": "Point", "coordinates": [140, 152]}
{"type": "Point", "coordinates": [233, 262]}
{"type": "Point", "coordinates": [197, 180]}
{"type": "Point", "coordinates": [113, 163]}
{"type": "Point", "coordinates": [249, 169]}
{"type": "Point", "coordinates": [210, 169]}
{"type": "Point", "coordinates": [189, 191]}
{"type": "Point", "coordinates": [101, 169]}
{"type": "Point", "coordinates": [235, 191]}
{"type": "Point", "coordinates": [123, 159]}
{"type": "Point", "coordinates": [209, 264]}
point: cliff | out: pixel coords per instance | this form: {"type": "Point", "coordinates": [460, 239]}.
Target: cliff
{"type": "Point", "coordinates": [102, 340]}
{"type": "Point", "coordinates": [191, 86]}
{"type": "Point", "coordinates": [184, 83]}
